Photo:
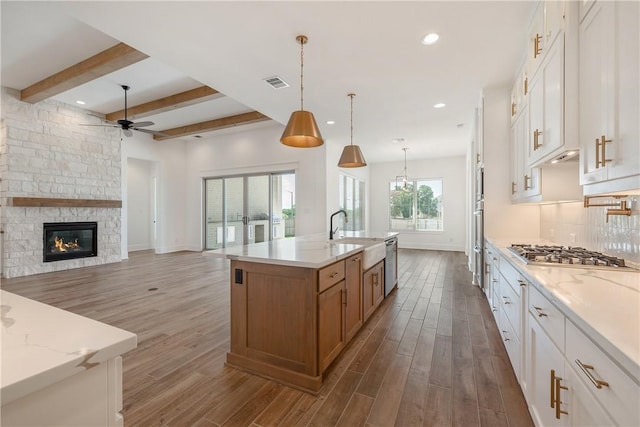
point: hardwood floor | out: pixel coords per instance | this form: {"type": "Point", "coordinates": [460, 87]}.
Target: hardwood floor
{"type": "Point", "coordinates": [430, 355]}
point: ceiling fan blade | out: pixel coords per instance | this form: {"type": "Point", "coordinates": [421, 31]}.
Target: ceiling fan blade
{"type": "Point", "coordinates": [153, 132]}
{"type": "Point", "coordinates": [127, 132]}
{"type": "Point", "coordinates": [106, 126]}
{"type": "Point", "coordinates": [141, 124]}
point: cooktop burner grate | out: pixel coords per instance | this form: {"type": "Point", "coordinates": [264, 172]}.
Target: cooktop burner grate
{"type": "Point", "coordinates": [565, 255]}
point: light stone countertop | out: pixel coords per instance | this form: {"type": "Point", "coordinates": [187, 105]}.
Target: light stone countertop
{"type": "Point", "coordinates": [605, 304]}
{"type": "Point", "coordinates": [42, 345]}
{"type": "Point", "coordinates": [310, 251]}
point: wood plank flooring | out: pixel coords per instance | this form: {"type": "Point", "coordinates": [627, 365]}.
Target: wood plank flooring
{"type": "Point", "coordinates": [430, 355]}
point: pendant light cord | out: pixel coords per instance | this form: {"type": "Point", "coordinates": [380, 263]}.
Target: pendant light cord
{"type": "Point", "coordinates": [302, 42]}
{"type": "Point", "coordinates": [351, 95]}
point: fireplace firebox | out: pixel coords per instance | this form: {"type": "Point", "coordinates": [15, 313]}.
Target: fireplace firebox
{"type": "Point", "coordinates": [69, 240]}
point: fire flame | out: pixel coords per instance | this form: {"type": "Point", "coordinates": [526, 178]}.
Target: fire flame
{"type": "Point", "coordinates": [61, 246]}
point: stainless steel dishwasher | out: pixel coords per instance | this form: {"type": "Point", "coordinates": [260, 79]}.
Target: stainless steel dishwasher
{"type": "Point", "coordinates": [391, 265]}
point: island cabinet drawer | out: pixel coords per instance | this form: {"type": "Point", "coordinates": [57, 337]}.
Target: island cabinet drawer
{"type": "Point", "coordinates": [330, 275]}
{"type": "Point", "coordinates": [550, 318]}
{"type": "Point", "coordinates": [614, 389]}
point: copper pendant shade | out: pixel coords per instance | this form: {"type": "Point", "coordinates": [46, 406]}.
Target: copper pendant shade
{"type": "Point", "coordinates": [302, 130]}
{"type": "Point", "coordinates": [351, 155]}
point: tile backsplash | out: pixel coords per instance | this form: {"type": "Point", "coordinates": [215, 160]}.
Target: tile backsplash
{"type": "Point", "coordinates": [574, 225]}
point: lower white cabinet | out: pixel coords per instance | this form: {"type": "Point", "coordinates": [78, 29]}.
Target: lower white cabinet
{"type": "Point", "coordinates": [90, 398]}
{"type": "Point", "coordinates": [582, 408]}
{"type": "Point", "coordinates": [545, 366]}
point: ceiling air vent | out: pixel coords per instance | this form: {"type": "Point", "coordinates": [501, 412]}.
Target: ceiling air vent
{"type": "Point", "coordinates": [276, 82]}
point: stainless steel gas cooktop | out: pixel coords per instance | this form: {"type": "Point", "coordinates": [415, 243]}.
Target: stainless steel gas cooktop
{"type": "Point", "coordinates": [566, 256]}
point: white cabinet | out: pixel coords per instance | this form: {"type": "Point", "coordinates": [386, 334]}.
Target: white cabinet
{"type": "Point", "coordinates": [547, 23]}
{"type": "Point", "coordinates": [525, 180]}
{"type": "Point", "coordinates": [582, 407]}
{"type": "Point", "coordinates": [545, 366]}
{"type": "Point", "coordinates": [546, 107]}
{"type": "Point", "coordinates": [609, 97]}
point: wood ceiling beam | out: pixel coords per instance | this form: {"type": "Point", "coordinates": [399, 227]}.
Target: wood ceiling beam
{"type": "Point", "coordinates": [178, 100]}
{"type": "Point", "coordinates": [211, 125]}
{"type": "Point", "coordinates": [105, 62]}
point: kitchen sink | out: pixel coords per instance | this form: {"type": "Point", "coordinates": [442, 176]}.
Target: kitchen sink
{"type": "Point", "coordinates": [374, 249]}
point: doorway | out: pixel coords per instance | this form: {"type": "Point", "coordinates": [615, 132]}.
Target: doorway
{"type": "Point", "coordinates": [141, 205]}
{"type": "Point", "coordinates": [245, 209]}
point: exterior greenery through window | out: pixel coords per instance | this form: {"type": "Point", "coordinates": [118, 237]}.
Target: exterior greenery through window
{"type": "Point", "coordinates": [416, 205]}
{"type": "Point", "coordinates": [352, 200]}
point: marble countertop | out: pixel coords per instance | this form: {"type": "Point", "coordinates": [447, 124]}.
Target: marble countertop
{"type": "Point", "coordinates": [311, 251]}
{"type": "Point", "coordinates": [42, 345]}
{"type": "Point", "coordinates": [605, 304]}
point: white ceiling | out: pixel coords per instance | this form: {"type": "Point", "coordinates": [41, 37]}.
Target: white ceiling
{"type": "Point", "coordinates": [370, 48]}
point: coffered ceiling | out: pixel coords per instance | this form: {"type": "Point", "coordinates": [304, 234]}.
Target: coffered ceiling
{"type": "Point", "coordinates": [200, 66]}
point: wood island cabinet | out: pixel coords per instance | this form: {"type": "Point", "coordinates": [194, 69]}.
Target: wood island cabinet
{"type": "Point", "coordinates": [373, 289]}
{"type": "Point", "coordinates": [289, 323]}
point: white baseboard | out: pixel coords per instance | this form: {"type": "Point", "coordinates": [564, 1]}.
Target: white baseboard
{"type": "Point", "coordinates": [139, 247]}
{"type": "Point", "coordinates": [177, 248]}
{"type": "Point", "coordinates": [432, 247]}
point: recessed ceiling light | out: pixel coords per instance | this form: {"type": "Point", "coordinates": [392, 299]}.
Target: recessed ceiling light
{"type": "Point", "coordinates": [460, 125]}
{"type": "Point", "coordinates": [80, 102]}
{"type": "Point", "coordinates": [397, 140]}
{"type": "Point", "coordinates": [331, 122]}
{"type": "Point", "coordinates": [439, 105]}
{"type": "Point", "coordinates": [430, 39]}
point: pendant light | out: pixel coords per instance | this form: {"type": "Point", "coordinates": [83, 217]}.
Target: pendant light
{"type": "Point", "coordinates": [302, 130]}
{"type": "Point", "coordinates": [351, 155]}
{"type": "Point", "coordinates": [404, 177]}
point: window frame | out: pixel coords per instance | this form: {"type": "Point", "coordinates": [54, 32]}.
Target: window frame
{"type": "Point", "coordinates": [393, 185]}
{"type": "Point", "coordinates": [358, 201]}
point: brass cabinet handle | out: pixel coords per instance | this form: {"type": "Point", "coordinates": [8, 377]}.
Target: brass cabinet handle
{"type": "Point", "coordinates": [603, 150]}
{"type": "Point", "coordinates": [536, 139]}
{"type": "Point", "coordinates": [513, 109]}
{"type": "Point", "coordinates": [477, 157]}
{"type": "Point", "coordinates": [558, 401]}
{"type": "Point", "coordinates": [505, 339]}
{"type": "Point", "coordinates": [513, 187]}
{"type": "Point", "coordinates": [355, 260]}
{"type": "Point", "coordinates": [334, 274]}
{"type": "Point", "coordinates": [536, 45]}
{"type": "Point", "coordinates": [522, 282]}
{"type": "Point", "coordinates": [506, 300]}
{"type": "Point", "coordinates": [486, 268]}
{"type": "Point", "coordinates": [344, 297]}
{"type": "Point", "coordinates": [587, 371]}
{"type": "Point", "coordinates": [527, 178]}
{"type": "Point", "coordinates": [552, 392]}
{"type": "Point", "coordinates": [526, 85]}
{"type": "Point", "coordinates": [597, 153]}
{"type": "Point", "coordinates": [539, 311]}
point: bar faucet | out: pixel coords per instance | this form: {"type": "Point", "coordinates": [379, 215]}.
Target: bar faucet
{"type": "Point", "coordinates": [331, 230]}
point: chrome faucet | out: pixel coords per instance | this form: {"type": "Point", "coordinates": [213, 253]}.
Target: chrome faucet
{"type": "Point", "coordinates": [331, 230]}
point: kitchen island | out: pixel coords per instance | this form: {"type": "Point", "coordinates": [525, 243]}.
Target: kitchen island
{"type": "Point", "coordinates": [59, 368]}
{"type": "Point", "coordinates": [296, 303]}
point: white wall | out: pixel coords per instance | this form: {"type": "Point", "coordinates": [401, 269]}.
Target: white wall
{"type": "Point", "coordinates": [169, 168]}
{"type": "Point", "coordinates": [452, 170]}
{"type": "Point", "coordinates": [254, 150]}
{"type": "Point", "coordinates": [139, 208]}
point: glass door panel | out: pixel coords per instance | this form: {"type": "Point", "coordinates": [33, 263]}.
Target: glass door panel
{"type": "Point", "coordinates": [257, 213]}
{"type": "Point", "coordinates": [234, 211]}
{"type": "Point", "coordinates": [283, 222]}
{"type": "Point", "coordinates": [213, 227]}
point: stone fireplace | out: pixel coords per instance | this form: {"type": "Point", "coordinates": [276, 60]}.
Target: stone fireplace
{"type": "Point", "coordinates": [69, 240]}
{"type": "Point", "coordinates": [56, 171]}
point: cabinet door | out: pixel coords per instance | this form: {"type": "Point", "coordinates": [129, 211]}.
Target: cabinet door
{"type": "Point", "coordinates": [546, 105]}
{"type": "Point", "coordinates": [625, 149]}
{"type": "Point", "coordinates": [331, 335]}
{"type": "Point", "coordinates": [535, 40]}
{"type": "Point", "coordinates": [582, 408]}
{"type": "Point", "coordinates": [373, 289]}
{"type": "Point", "coordinates": [545, 363]}
{"type": "Point", "coordinates": [553, 20]}
{"type": "Point", "coordinates": [353, 283]}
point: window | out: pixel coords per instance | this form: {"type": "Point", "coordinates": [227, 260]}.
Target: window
{"type": "Point", "coordinates": [416, 205]}
{"type": "Point", "coordinates": [352, 201]}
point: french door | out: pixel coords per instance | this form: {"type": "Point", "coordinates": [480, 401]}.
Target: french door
{"type": "Point", "coordinates": [246, 209]}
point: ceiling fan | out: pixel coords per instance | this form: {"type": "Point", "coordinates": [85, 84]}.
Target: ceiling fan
{"type": "Point", "coordinates": [127, 125]}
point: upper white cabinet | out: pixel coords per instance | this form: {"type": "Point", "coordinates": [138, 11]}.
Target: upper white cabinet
{"type": "Point", "coordinates": [609, 96]}
{"type": "Point", "coordinates": [547, 23]}
{"type": "Point", "coordinates": [546, 105]}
